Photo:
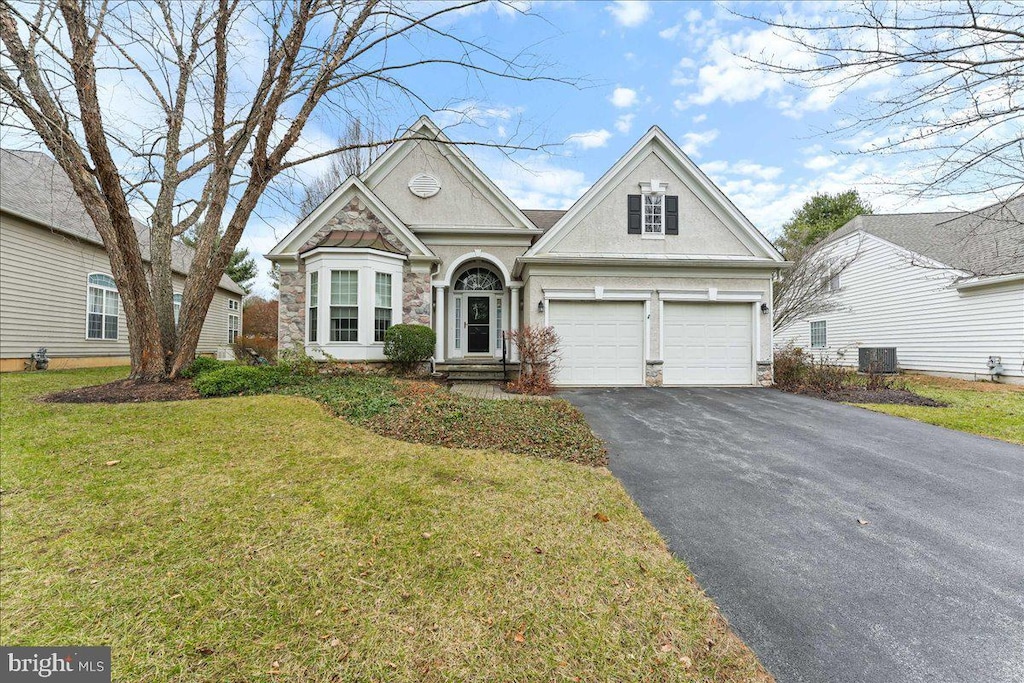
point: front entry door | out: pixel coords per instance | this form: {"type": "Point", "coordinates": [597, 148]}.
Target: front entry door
{"type": "Point", "coordinates": [479, 324]}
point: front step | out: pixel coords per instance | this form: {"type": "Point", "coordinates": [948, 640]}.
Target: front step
{"type": "Point", "coordinates": [477, 371]}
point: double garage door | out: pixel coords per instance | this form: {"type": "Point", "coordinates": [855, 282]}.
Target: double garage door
{"type": "Point", "coordinates": [602, 343]}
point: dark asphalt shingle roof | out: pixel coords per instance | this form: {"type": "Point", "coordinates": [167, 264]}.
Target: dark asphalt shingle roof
{"type": "Point", "coordinates": [989, 241]}
{"type": "Point", "coordinates": [543, 218]}
{"type": "Point", "coordinates": [33, 185]}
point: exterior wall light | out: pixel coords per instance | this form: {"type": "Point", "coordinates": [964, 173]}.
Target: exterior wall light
{"type": "Point", "coordinates": [764, 308]}
{"type": "Point", "coordinates": [540, 306]}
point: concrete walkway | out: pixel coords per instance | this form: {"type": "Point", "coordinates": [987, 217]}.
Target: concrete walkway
{"type": "Point", "coordinates": [490, 391]}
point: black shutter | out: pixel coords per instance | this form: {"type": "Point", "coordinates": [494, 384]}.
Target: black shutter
{"type": "Point", "coordinates": [671, 215]}
{"type": "Point", "coordinates": [635, 214]}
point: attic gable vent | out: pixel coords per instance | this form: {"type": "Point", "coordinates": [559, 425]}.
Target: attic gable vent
{"type": "Point", "coordinates": [424, 185]}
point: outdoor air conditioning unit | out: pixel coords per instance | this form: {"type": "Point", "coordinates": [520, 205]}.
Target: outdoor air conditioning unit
{"type": "Point", "coordinates": [877, 359]}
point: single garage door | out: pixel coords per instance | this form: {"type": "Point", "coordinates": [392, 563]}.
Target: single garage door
{"type": "Point", "coordinates": [708, 343]}
{"type": "Point", "coordinates": [602, 342]}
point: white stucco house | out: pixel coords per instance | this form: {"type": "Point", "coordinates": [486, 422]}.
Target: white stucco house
{"type": "Point", "coordinates": [652, 277]}
{"type": "Point", "coordinates": [913, 284]}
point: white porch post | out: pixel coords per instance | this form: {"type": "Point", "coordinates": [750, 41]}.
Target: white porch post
{"type": "Point", "coordinates": [439, 320]}
{"type": "Point", "coordinates": [513, 324]}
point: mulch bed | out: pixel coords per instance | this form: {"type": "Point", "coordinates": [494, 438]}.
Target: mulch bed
{"type": "Point", "coordinates": [126, 391]}
{"type": "Point", "coordinates": [890, 396]}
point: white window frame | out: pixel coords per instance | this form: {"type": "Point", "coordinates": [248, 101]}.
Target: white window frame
{"type": "Point", "coordinates": [824, 334]}
{"type": "Point", "coordinates": [234, 320]}
{"type": "Point", "coordinates": [654, 188]}
{"type": "Point", "coordinates": [103, 313]}
{"type": "Point", "coordinates": [377, 307]}
{"type": "Point", "coordinates": [313, 306]}
{"type": "Point", "coordinates": [331, 305]}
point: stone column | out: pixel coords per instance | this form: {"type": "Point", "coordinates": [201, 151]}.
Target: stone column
{"type": "Point", "coordinates": [439, 323]}
{"type": "Point", "coordinates": [513, 323]}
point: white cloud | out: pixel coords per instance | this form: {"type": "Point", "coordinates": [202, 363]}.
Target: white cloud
{"type": "Point", "coordinates": [623, 97]}
{"type": "Point", "coordinates": [535, 182]}
{"type": "Point", "coordinates": [820, 162]}
{"type": "Point", "coordinates": [670, 32]}
{"type": "Point", "coordinates": [693, 16]}
{"type": "Point", "coordinates": [630, 12]}
{"type": "Point", "coordinates": [590, 139]}
{"type": "Point", "coordinates": [693, 142]}
{"type": "Point", "coordinates": [624, 123]}
{"type": "Point", "coordinates": [700, 118]}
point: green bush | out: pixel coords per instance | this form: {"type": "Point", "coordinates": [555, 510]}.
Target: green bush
{"type": "Point", "coordinates": [241, 379]}
{"type": "Point", "coordinates": [409, 344]}
{"type": "Point", "coordinates": [200, 366]}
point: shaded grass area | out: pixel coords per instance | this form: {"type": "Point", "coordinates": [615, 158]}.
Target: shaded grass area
{"type": "Point", "coordinates": [259, 539]}
{"type": "Point", "coordinates": [424, 412]}
{"type": "Point", "coordinates": [985, 408]}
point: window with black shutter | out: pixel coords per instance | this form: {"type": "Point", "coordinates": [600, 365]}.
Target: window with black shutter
{"type": "Point", "coordinates": [634, 205]}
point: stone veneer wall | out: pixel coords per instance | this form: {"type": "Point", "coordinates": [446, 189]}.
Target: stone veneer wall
{"type": "Point", "coordinates": [765, 374]}
{"type": "Point", "coordinates": [654, 376]}
{"type": "Point", "coordinates": [355, 216]}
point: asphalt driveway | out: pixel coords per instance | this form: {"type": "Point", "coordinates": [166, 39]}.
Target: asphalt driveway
{"type": "Point", "coordinates": [760, 492]}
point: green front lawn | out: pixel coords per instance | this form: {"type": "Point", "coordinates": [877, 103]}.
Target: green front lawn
{"type": "Point", "coordinates": [994, 410]}
{"type": "Point", "coordinates": [262, 539]}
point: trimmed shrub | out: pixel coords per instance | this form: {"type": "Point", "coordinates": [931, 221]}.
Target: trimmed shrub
{"type": "Point", "coordinates": [265, 347]}
{"type": "Point", "coordinates": [297, 362]}
{"type": "Point", "coordinates": [232, 380]}
{"type": "Point", "coordinates": [200, 366]}
{"type": "Point", "coordinates": [409, 344]}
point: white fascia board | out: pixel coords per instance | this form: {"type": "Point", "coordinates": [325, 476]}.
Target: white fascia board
{"type": "Point", "coordinates": [655, 260]}
{"type": "Point", "coordinates": [328, 251]}
{"type": "Point", "coordinates": [425, 130]}
{"type": "Point", "coordinates": [683, 167]}
{"type": "Point", "coordinates": [990, 281]}
{"type": "Point", "coordinates": [352, 186]}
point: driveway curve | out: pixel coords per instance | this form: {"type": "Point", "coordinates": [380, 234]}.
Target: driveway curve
{"type": "Point", "coordinates": [761, 493]}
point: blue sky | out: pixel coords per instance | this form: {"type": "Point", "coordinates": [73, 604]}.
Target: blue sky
{"type": "Point", "coordinates": [678, 65]}
{"type": "Point", "coordinates": [769, 145]}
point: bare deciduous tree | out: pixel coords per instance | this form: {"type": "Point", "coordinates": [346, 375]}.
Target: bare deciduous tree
{"type": "Point", "coordinates": [810, 287]}
{"type": "Point", "coordinates": [220, 93]}
{"type": "Point", "coordinates": [944, 84]}
{"type": "Point", "coordinates": [357, 153]}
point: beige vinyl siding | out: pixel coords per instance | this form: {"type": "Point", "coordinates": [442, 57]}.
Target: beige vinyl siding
{"type": "Point", "coordinates": [886, 299]}
{"type": "Point", "coordinates": [43, 290]}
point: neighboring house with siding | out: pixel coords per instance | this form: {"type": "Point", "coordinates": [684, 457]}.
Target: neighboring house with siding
{"type": "Point", "coordinates": [914, 284]}
{"type": "Point", "coordinates": [56, 289]}
{"type": "Point", "coordinates": [652, 277]}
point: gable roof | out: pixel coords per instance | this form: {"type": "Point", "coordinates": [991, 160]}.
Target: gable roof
{"type": "Point", "coordinates": [318, 217]}
{"type": "Point", "coordinates": [683, 166]}
{"type": "Point", "coordinates": [425, 130]}
{"type": "Point", "coordinates": [33, 186]}
{"type": "Point", "coordinates": [988, 241]}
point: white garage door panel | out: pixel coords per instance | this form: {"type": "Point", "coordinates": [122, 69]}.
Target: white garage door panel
{"type": "Point", "coordinates": [708, 343]}
{"type": "Point", "coordinates": [602, 342]}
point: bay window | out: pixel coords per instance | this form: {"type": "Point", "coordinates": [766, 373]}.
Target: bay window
{"type": "Point", "coordinates": [312, 320]}
{"type": "Point", "coordinates": [382, 305]}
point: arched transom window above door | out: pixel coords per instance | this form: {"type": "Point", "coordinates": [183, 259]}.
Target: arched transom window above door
{"type": "Point", "coordinates": [478, 280]}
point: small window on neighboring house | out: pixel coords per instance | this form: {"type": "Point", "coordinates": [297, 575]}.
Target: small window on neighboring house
{"type": "Point", "coordinates": [344, 306]}
{"type": "Point", "coordinates": [313, 320]}
{"type": "Point", "coordinates": [818, 338]}
{"type": "Point", "coordinates": [234, 320]}
{"type": "Point", "coordinates": [654, 214]}
{"type": "Point", "coordinates": [101, 318]}
{"type": "Point", "coordinates": [382, 306]}
{"type": "Point", "coordinates": [832, 283]}
{"type": "Point", "coordinates": [177, 308]}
